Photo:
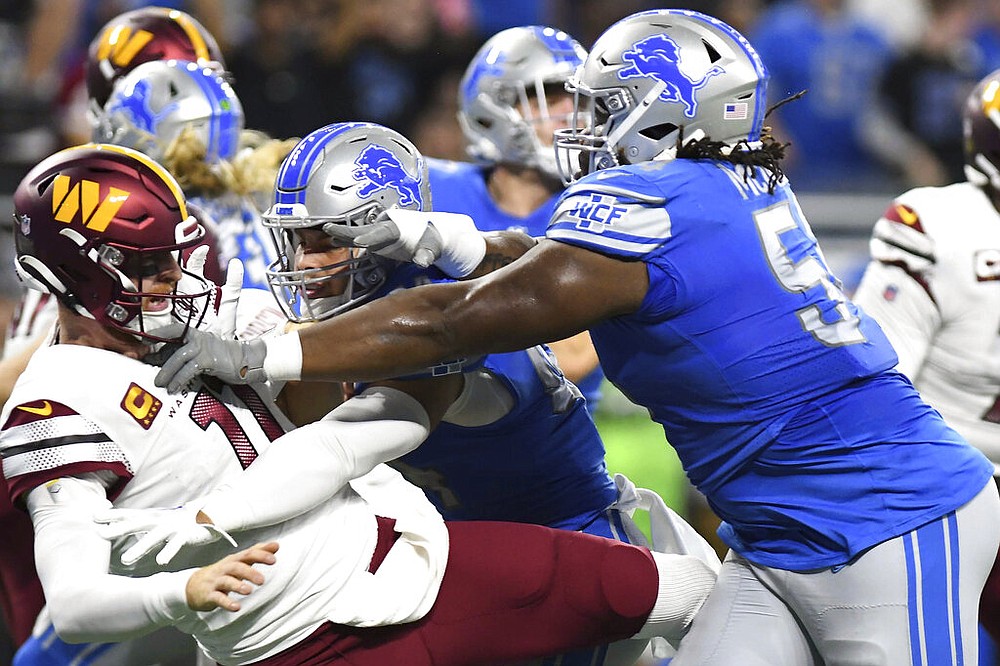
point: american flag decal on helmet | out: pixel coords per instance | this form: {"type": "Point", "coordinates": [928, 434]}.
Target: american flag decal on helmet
{"type": "Point", "coordinates": [735, 111]}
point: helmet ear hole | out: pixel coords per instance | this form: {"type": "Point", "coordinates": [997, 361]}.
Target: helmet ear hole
{"type": "Point", "coordinates": [658, 132]}
{"type": "Point", "coordinates": [713, 55]}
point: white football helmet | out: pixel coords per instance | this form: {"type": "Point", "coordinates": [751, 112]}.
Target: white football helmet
{"type": "Point", "coordinates": [151, 105]}
{"type": "Point", "coordinates": [512, 67]}
{"type": "Point", "coordinates": [345, 173]}
{"type": "Point", "coordinates": [655, 75]}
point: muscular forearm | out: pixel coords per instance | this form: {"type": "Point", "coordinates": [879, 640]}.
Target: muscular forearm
{"type": "Point", "coordinates": [551, 293]}
{"type": "Point", "coordinates": [502, 248]}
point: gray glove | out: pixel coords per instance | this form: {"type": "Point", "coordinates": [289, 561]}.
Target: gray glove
{"type": "Point", "coordinates": [450, 241]}
{"type": "Point", "coordinates": [204, 353]}
{"type": "Point", "coordinates": [384, 238]}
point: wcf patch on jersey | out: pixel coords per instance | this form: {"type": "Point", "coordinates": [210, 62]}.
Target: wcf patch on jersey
{"type": "Point", "coordinates": [596, 213]}
{"type": "Point", "coordinates": [141, 405]}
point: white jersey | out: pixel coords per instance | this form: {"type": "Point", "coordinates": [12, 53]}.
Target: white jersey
{"type": "Point", "coordinates": [79, 409]}
{"type": "Point", "coordinates": [934, 286]}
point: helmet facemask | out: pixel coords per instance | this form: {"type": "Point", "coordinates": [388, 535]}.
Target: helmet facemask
{"type": "Point", "coordinates": [91, 222]}
{"type": "Point", "coordinates": [349, 282]}
{"type": "Point", "coordinates": [343, 174]}
{"type": "Point", "coordinates": [508, 92]}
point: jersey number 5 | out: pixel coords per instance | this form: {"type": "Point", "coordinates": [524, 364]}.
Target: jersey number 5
{"type": "Point", "coordinates": [829, 320]}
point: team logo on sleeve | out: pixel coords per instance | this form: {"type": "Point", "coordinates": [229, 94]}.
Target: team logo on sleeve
{"type": "Point", "coordinates": [141, 405]}
{"type": "Point", "coordinates": [904, 215]}
{"type": "Point", "coordinates": [596, 212]}
{"type": "Point", "coordinates": [378, 169]}
{"type": "Point", "coordinates": [658, 57]}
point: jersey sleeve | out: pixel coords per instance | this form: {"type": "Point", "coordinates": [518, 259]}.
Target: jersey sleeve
{"type": "Point", "coordinates": [611, 214]}
{"type": "Point", "coordinates": [897, 288]}
{"type": "Point", "coordinates": [43, 440]}
{"type": "Point", "coordinates": [899, 239]}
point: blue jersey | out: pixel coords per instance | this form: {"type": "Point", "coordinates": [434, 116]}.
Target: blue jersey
{"type": "Point", "coordinates": [460, 187]}
{"type": "Point", "coordinates": [241, 235]}
{"type": "Point", "coordinates": [541, 463]}
{"type": "Point", "coordinates": [777, 392]}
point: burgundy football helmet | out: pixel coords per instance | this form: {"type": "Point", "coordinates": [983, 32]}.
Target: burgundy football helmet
{"type": "Point", "coordinates": [981, 127]}
{"type": "Point", "coordinates": [90, 221]}
{"type": "Point", "coordinates": [143, 35]}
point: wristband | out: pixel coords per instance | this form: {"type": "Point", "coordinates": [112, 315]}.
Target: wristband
{"type": "Point", "coordinates": [283, 361]}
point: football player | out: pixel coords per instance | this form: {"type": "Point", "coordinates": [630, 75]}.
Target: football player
{"type": "Point", "coordinates": [933, 284]}
{"type": "Point", "coordinates": [511, 439]}
{"type": "Point", "coordinates": [371, 573]}
{"type": "Point", "coordinates": [861, 527]}
{"type": "Point", "coordinates": [511, 99]}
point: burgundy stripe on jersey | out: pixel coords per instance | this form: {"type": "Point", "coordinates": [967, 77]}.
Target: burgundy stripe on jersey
{"type": "Point", "coordinates": [36, 410]}
{"type": "Point", "coordinates": [23, 483]}
{"type": "Point", "coordinates": [387, 536]}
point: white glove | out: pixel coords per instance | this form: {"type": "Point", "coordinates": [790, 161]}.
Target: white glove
{"type": "Point", "coordinates": [450, 241]}
{"type": "Point", "coordinates": [171, 528]}
{"type": "Point", "coordinates": [224, 324]}
{"type": "Point", "coordinates": [220, 314]}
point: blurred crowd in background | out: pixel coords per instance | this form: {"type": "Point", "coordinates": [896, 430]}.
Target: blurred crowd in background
{"type": "Point", "coordinates": [885, 79]}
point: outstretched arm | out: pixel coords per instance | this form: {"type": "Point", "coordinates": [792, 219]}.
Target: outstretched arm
{"type": "Point", "coordinates": [555, 290]}
{"type": "Point", "coordinates": [552, 292]}
{"type": "Point", "coordinates": [310, 465]}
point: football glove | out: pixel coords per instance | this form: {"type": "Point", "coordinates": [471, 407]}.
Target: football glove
{"type": "Point", "coordinates": [450, 241]}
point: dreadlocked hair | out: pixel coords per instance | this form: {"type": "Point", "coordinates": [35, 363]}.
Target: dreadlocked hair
{"type": "Point", "coordinates": [767, 155]}
{"type": "Point", "coordinates": [251, 171]}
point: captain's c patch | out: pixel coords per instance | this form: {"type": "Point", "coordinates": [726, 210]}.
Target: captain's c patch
{"type": "Point", "coordinates": [141, 405]}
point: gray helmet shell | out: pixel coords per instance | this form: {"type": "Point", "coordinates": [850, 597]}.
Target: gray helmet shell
{"type": "Point", "coordinates": [344, 173]}
{"type": "Point", "coordinates": [656, 74]}
{"type": "Point", "coordinates": [150, 106]}
{"type": "Point", "coordinates": [494, 113]}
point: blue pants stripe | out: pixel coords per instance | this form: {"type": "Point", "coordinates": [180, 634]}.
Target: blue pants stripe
{"type": "Point", "coordinates": [932, 553]}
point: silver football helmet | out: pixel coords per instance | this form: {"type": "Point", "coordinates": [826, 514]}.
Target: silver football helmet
{"type": "Point", "coordinates": [656, 76]}
{"type": "Point", "coordinates": [150, 106]}
{"type": "Point", "coordinates": [345, 173]}
{"type": "Point", "coordinates": [511, 68]}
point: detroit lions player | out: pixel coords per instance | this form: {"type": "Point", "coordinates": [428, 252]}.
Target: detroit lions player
{"type": "Point", "coordinates": [933, 284]}
{"type": "Point", "coordinates": [511, 439]}
{"type": "Point", "coordinates": [861, 527]}
{"type": "Point", "coordinates": [511, 99]}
